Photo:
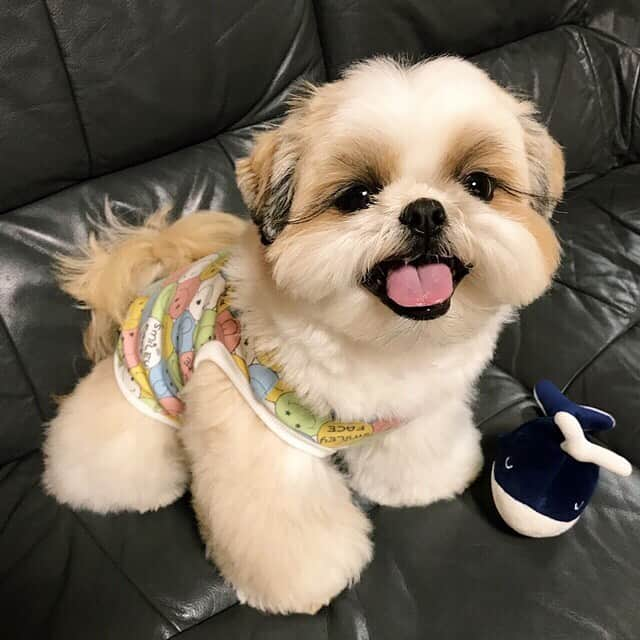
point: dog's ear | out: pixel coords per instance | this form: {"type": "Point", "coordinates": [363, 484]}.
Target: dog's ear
{"type": "Point", "coordinates": [265, 179]}
{"type": "Point", "coordinates": [546, 162]}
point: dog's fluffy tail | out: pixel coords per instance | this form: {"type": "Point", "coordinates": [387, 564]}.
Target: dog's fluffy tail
{"type": "Point", "coordinates": [121, 259]}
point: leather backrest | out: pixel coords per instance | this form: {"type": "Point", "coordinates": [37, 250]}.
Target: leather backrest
{"type": "Point", "coordinates": [362, 28]}
{"type": "Point", "coordinates": [90, 87]}
{"type": "Point", "coordinates": [42, 148]}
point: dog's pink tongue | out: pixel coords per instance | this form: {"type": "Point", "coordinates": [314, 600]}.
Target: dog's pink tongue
{"type": "Point", "coordinates": [421, 286]}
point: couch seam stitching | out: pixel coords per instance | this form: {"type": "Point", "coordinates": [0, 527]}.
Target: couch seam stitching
{"type": "Point", "coordinates": [72, 91]}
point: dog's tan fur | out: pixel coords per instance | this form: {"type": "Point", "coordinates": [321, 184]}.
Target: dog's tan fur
{"type": "Point", "coordinates": [120, 259]}
{"type": "Point", "coordinates": [539, 227]}
{"type": "Point", "coordinates": [280, 524]}
{"type": "Point", "coordinates": [276, 521]}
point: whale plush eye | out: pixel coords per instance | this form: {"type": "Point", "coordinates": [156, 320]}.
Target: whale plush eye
{"type": "Point", "coordinates": [578, 505]}
{"type": "Point", "coordinates": [508, 464]}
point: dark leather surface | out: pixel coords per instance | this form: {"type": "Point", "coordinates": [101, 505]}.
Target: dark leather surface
{"type": "Point", "coordinates": [362, 28]}
{"type": "Point", "coordinates": [40, 136]}
{"type": "Point", "coordinates": [149, 102]}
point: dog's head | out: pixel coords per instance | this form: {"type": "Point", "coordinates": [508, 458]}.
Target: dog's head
{"type": "Point", "coordinates": [404, 194]}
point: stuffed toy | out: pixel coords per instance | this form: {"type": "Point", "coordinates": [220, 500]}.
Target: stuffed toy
{"type": "Point", "coordinates": [546, 470]}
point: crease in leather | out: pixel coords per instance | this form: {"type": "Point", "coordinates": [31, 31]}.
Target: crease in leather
{"type": "Point", "coordinates": [15, 464]}
{"type": "Point", "coordinates": [21, 366]}
{"type": "Point", "coordinates": [614, 217]}
{"type": "Point", "coordinates": [259, 103]}
{"type": "Point", "coordinates": [123, 170]}
{"type": "Point", "coordinates": [580, 39]}
{"type": "Point", "coordinates": [551, 107]}
{"type": "Point", "coordinates": [362, 629]}
{"type": "Point", "coordinates": [119, 569]}
{"type": "Point", "coordinates": [589, 294]}
{"type": "Point", "coordinates": [72, 89]}
{"type": "Point", "coordinates": [232, 27]}
{"type": "Point", "coordinates": [585, 366]}
{"type": "Point", "coordinates": [524, 400]}
{"type": "Point", "coordinates": [581, 621]}
{"type": "Point", "coordinates": [66, 572]}
{"type": "Point", "coordinates": [17, 560]}
{"type": "Point", "coordinates": [634, 51]}
{"type": "Point", "coordinates": [317, 22]}
{"type": "Point", "coordinates": [226, 153]}
{"type": "Point", "coordinates": [204, 621]}
{"type": "Point", "coordinates": [21, 233]}
{"type": "Point", "coordinates": [633, 108]}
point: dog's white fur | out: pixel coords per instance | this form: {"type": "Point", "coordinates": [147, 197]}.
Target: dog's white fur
{"type": "Point", "coordinates": [104, 457]}
{"type": "Point", "coordinates": [281, 524]}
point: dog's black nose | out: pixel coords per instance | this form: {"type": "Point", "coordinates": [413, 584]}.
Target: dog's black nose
{"type": "Point", "coordinates": [425, 217]}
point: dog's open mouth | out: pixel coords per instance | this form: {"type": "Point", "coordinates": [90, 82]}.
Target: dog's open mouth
{"type": "Point", "coordinates": [420, 289]}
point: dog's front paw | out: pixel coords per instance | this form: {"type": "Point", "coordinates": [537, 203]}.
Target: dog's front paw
{"type": "Point", "coordinates": [404, 477]}
{"type": "Point", "coordinates": [296, 562]}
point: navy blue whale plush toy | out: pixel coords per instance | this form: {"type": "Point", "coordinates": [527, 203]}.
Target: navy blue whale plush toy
{"type": "Point", "coordinates": [546, 470]}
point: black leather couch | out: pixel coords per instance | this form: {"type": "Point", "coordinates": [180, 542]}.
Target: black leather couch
{"type": "Point", "coordinates": [144, 102]}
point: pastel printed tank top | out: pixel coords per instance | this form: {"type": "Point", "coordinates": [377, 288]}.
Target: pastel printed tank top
{"type": "Point", "coordinates": [186, 318]}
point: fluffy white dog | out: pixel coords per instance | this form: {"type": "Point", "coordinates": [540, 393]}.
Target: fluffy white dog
{"type": "Point", "coordinates": [401, 214]}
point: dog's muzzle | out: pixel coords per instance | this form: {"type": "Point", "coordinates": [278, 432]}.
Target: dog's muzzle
{"type": "Point", "coordinates": [420, 283]}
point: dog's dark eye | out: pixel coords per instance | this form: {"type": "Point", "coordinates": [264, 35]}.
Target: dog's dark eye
{"type": "Point", "coordinates": [356, 197]}
{"type": "Point", "coordinates": [480, 185]}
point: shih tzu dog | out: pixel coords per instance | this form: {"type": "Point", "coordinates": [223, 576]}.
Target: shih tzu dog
{"type": "Point", "coordinates": [400, 215]}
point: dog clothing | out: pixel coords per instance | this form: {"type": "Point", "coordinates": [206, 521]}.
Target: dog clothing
{"type": "Point", "coordinates": [186, 318]}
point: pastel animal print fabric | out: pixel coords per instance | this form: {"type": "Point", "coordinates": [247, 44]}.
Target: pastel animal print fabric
{"type": "Point", "coordinates": [187, 317]}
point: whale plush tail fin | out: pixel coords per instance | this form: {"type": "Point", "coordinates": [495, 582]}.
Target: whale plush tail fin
{"type": "Point", "coordinates": [551, 400]}
{"type": "Point", "coordinates": [579, 448]}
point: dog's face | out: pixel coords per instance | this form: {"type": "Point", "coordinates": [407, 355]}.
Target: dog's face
{"type": "Point", "coordinates": [403, 196]}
